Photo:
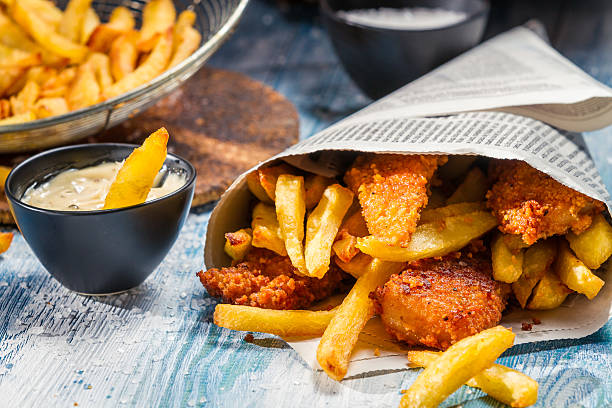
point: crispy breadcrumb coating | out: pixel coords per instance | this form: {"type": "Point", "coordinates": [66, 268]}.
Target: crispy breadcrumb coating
{"type": "Point", "coordinates": [438, 301]}
{"type": "Point", "coordinates": [532, 204]}
{"type": "Point", "coordinates": [267, 280]}
{"type": "Point", "coordinates": [392, 189]}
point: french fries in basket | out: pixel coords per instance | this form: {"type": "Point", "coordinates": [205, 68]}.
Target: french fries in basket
{"type": "Point", "coordinates": [38, 40]}
{"type": "Point", "coordinates": [322, 227]}
{"type": "Point", "coordinates": [502, 383]}
{"type": "Point", "coordinates": [462, 361]}
{"type": "Point", "coordinates": [71, 24]}
{"type": "Point", "coordinates": [45, 35]}
{"type": "Point", "coordinates": [351, 316]}
{"type": "Point", "coordinates": [433, 239]}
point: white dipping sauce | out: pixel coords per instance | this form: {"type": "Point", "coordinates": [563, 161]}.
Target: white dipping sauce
{"type": "Point", "coordinates": [417, 18]}
{"type": "Point", "coordinates": [86, 189]}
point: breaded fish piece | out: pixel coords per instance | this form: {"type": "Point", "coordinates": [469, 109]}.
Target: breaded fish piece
{"type": "Point", "coordinates": [532, 204]}
{"type": "Point", "coordinates": [392, 189]}
{"type": "Point", "coordinates": [437, 302]}
{"type": "Point", "coordinates": [267, 280]}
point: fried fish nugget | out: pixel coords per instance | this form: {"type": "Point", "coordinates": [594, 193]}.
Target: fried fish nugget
{"type": "Point", "coordinates": [392, 190]}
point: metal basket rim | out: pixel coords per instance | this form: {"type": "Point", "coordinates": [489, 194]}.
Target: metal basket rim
{"type": "Point", "coordinates": [200, 55]}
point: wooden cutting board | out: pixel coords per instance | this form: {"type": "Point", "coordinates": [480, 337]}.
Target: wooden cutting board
{"type": "Point", "coordinates": [223, 122]}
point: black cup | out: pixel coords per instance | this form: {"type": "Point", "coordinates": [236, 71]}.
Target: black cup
{"type": "Point", "coordinates": [105, 251]}
{"type": "Point", "coordinates": [381, 60]}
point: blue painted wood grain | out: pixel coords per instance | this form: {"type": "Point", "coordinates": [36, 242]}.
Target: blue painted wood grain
{"type": "Point", "coordinates": [156, 346]}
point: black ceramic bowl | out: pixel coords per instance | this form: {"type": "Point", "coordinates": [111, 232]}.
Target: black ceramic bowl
{"type": "Point", "coordinates": [98, 252]}
{"type": "Point", "coordinates": [381, 60]}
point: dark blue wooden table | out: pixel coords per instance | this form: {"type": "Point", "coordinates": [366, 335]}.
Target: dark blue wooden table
{"type": "Point", "coordinates": [156, 346]}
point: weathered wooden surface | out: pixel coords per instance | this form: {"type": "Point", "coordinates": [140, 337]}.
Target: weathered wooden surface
{"type": "Point", "coordinates": [156, 346]}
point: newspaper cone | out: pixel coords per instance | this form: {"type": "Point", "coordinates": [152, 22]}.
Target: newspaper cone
{"type": "Point", "coordinates": [550, 89]}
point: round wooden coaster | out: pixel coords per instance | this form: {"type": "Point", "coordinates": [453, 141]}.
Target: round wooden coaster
{"type": "Point", "coordinates": [221, 121]}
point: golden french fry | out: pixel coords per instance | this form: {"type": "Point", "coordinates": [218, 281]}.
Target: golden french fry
{"type": "Point", "coordinates": [40, 74]}
{"type": "Point", "coordinates": [90, 23]}
{"type": "Point", "coordinates": [122, 18]}
{"type": "Point", "coordinates": [538, 258]}
{"type": "Point", "coordinates": [286, 323]}
{"type": "Point", "coordinates": [12, 35]}
{"type": "Point", "coordinates": [84, 90]}
{"type": "Point", "coordinates": [185, 43]}
{"type": "Point", "coordinates": [290, 211]}
{"type": "Point", "coordinates": [44, 34]}
{"type": "Point", "coordinates": [433, 239]}
{"type": "Point", "coordinates": [25, 99]}
{"type": "Point", "coordinates": [322, 227]}
{"type": "Point", "coordinates": [100, 63]}
{"type": "Point", "coordinates": [456, 167]}
{"type": "Point", "coordinates": [502, 383]}
{"type": "Point", "coordinates": [315, 185]}
{"type": "Point", "coordinates": [575, 274]}
{"type": "Point", "coordinates": [123, 56]}
{"type": "Point", "coordinates": [5, 241]}
{"type": "Point", "coordinates": [46, 11]}
{"type": "Point", "coordinates": [157, 17]}
{"type": "Point", "coordinates": [186, 18]}
{"type": "Point", "coordinates": [15, 119]}
{"type": "Point", "coordinates": [440, 213]}
{"type": "Point", "coordinates": [154, 65]}
{"type": "Point", "coordinates": [121, 22]}
{"type": "Point", "coordinates": [269, 175]}
{"type": "Point", "coordinates": [71, 25]}
{"type": "Point", "coordinates": [4, 172]}
{"type": "Point", "coordinates": [357, 266]}
{"type": "Point", "coordinates": [549, 293]}
{"type": "Point", "coordinates": [507, 263]}
{"type": "Point", "coordinates": [137, 175]}
{"type": "Point", "coordinates": [266, 231]}
{"type": "Point", "coordinates": [473, 188]}
{"type": "Point", "coordinates": [63, 79]}
{"type": "Point", "coordinates": [16, 58]}
{"type": "Point", "coordinates": [46, 107]}
{"type": "Point", "coordinates": [8, 78]}
{"type": "Point", "coordinates": [238, 244]}
{"type": "Point", "coordinates": [593, 246]}
{"type": "Point", "coordinates": [336, 345]}
{"type": "Point", "coordinates": [255, 187]}
{"type": "Point", "coordinates": [462, 361]}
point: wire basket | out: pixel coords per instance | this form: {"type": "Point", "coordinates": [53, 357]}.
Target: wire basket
{"type": "Point", "coordinates": [215, 21]}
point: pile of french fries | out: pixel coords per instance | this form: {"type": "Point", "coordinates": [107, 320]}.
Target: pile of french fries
{"type": "Point", "coordinates": [54, 61]}
{"type": "Point", "coordinates": [541, 275]}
